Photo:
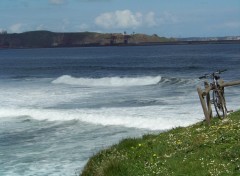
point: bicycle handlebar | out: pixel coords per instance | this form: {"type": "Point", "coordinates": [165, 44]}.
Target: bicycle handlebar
{"type": "Point", "coordinates": [212, 74]}
{"type": "Point", "coordinates": [221, 71]}
{"type": "Point", "coordinates": [202, 77]}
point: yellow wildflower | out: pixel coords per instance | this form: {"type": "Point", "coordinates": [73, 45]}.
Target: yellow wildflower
{"type": "Point", "coordinates": [179, 142]}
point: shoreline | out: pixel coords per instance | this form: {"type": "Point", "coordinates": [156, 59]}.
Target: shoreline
{"type": "Point", "coordinates": [198, 149]}
{"type": "Point", "coordinates": [135, 44]}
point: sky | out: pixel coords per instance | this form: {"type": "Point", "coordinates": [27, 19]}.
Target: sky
{"type": "Point", "coordinates": [167, 18]}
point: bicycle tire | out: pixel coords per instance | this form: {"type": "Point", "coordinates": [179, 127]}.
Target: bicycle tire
{"type": "Point", "coordinates": [219, 104]}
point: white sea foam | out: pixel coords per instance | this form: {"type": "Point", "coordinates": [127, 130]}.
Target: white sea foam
{"type": "Point", "coordinates": [151, 118]}
{"type": "Point", "coordinates": [108, 81]}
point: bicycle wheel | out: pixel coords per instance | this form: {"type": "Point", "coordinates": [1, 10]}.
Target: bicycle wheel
{"type": "Point", "coordinates": [219, 104]}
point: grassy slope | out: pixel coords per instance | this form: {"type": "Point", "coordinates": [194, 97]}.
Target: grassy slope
{"type": "Point", "coordinates": [36, 39]}
{"type": "Point", "coordinates": [194, 150]}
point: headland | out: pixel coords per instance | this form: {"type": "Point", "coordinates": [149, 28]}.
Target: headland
{"type": "Point", "coordinates": [48, 39]}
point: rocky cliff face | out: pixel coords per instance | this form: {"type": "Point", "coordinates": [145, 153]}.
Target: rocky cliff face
{"type": "Point", "coordinates": [37, 39]}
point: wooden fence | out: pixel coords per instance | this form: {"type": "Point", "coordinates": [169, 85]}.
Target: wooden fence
{"type": "Point", "coordinates": [205, 100]}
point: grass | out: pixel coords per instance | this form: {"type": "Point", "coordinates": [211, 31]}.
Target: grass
{"type": "Point", "coordinates": [195, 150]}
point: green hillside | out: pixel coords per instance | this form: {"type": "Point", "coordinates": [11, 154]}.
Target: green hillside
{"type": "Point", "coordinates": [43, 39]}
{"type": "Point", "coordinates": [197, 150]}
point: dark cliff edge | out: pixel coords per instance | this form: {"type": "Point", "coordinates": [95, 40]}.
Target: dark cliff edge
{"type": "Point", "coordinates": [47, 39]}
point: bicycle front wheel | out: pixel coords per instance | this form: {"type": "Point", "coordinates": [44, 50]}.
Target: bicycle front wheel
{"type": "Point", "coordinates": [219, 104]}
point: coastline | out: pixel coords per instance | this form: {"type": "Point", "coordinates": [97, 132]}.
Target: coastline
{"type": "Point", "coordinates": [48, 39]}
{"type": "Point", "coordinates": [195, 150]}
{"type": "Point", "coordinates": [134, 44]}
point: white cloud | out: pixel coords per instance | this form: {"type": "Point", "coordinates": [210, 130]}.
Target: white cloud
{"type": "Point", "coordinates": [56, 1]}
{"type": "Point", "coordinates": [40, 27]}
{"type": "Point", "coordinates": [125, 19]}
{"type": "Point", "coordinates": [150, 19]}
{"type": "Point", "coordinates": [16, 28]}
{"type": "Point", "coordinates": [168, 18]}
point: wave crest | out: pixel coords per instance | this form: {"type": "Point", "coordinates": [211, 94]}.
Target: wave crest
{"type": "Point", "coordinates": [155, 120]}
{"type": "Point", "coordinates": [108, 81]}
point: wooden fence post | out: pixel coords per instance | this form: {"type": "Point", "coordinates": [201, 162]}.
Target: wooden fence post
{"type": "Point", "coordinates": [208, 100]}
{"type": "Point", "coordinates": [206, 105]}
{"type": "Point", "coordinates": [203, 103]}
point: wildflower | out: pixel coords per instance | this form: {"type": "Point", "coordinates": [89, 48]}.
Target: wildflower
{"type": "Point", "coordinates": [167, 156]}
{"type": "Point", "coordinates": [139, 145]}
{"type": "Point", "coordinates": [198, 129]}
{"type": "Point", "coordinates": [154, 155]}
{"type": "Point", "coordinates": [179, 142]}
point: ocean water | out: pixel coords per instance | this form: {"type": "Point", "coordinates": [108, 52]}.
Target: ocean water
{"type": "Point", "coordinates": [58, 107]}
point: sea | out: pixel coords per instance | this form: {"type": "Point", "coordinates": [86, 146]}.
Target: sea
{"type": "Point", "coordinates": [60, 106]}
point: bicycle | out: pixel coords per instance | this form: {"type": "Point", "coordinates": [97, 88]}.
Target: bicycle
{"type": "Point", "coordinates": [218, 98]}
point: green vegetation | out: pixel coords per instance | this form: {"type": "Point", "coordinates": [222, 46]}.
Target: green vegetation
{"type": "Point", "coordinates": [195, 150]}
{"type": "Point", "coordinates": [47, 39]}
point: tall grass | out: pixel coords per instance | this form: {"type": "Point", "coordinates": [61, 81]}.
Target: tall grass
{"type": "Point", "coordinates": [195, 150]}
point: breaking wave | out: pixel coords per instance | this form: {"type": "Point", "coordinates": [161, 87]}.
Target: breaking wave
{"type": "Point", "coordinates": [178, 81]}
{"type": "Point", "coordinates": [107, 116]}
{"type": "Point", "coordinates": [108, 81]}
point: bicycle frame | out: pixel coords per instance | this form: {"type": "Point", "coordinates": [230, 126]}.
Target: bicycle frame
{"type": "Point", "coordinates": [218, 93]}
{"type": "Point", "coordinates": [217, 88]}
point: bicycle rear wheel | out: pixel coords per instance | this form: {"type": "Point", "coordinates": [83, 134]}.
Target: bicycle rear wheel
{"type": "Point", "coordinates": [219, 104]}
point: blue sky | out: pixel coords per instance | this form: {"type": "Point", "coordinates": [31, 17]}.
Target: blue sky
{"type": "Point", "coordinates": [169, 18]}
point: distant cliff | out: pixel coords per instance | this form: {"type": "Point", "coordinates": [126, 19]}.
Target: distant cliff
{"type": "Point", "coordinates": [46, 39]}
